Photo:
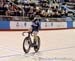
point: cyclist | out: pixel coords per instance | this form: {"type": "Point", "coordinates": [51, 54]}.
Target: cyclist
{"type": "Point", "coordinates": [35, 40]}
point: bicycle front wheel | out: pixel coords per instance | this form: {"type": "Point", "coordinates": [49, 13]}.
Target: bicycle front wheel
{"type": "Point", "coordinates": [27, 44]}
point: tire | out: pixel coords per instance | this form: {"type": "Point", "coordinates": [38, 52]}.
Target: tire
{"type": "Point", "coordinates": [28, 41]}
{"type": "Point", "coordinates": [37, 44]}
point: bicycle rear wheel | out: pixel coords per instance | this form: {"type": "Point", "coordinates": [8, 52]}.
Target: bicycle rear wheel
{"type": "Point", "coordinates": [27, 44]}
{"type": "Point", "coordinates": [37, 43]}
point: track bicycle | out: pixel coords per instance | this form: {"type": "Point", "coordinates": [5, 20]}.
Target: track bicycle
{"type": "Point", "coordinates": [28, 42]}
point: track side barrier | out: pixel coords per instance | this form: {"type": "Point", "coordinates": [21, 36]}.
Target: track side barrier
{"type": "Point", "coordinates": [24, 26]}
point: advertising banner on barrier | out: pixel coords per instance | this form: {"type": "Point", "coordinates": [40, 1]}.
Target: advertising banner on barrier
{"type": "Point", "coordinates": [4, 25]}
{"type": "Point", "coordinates": [19, 25]}
{"type": "Point", "coordinates": [46, 25]}
{"type": "Point", "coordinates": [74, 24]}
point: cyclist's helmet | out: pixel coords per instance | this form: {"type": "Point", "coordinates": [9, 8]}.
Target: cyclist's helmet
{"type": "Point", "coordinates": [35, 19]}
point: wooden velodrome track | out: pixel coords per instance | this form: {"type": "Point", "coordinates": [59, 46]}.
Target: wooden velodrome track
{"type": "Point", "coordinates": [56, 45]}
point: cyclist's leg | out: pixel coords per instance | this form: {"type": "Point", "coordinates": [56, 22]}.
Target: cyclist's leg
{"type": "Point", "coordinates": [35, 34]}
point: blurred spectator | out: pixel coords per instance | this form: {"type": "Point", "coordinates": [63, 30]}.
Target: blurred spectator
{"type": "Point", "coordinates": [3, 9]}
{"type": "Point", "coordinates": [17, 12]}
{"type": "Point", "coordinates": [31, 13]}
{"type": "Point", "coordinates": [61, 1]}
{"type": "Point", "coordinates": [43, 3]}
{"type": "Point", "coordinates": [50, 12]}
{"type": "Point", "coordinates": [11, 9]}
{"type": "Point", "coordinates": [43, 13]}
{"type": "Point", "coordinates": [23, 1]}
{"type": "Point", "coordinates": [55, 4]}
{"type": "Point", "coordinates": [72, 1]}
{"type": "Point", "coordinates": [38, 10]}
{"type": "Point", "coordinates": [26, 9]}
{"type": "Point", "coordinates": [3, 1]}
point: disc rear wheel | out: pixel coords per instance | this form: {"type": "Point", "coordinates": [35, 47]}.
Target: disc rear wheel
{"type": "Point", "coordinates": [37, 43]}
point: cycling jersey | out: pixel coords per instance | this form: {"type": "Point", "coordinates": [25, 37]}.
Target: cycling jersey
{"type": "Point", "coordinates": [35, 26]}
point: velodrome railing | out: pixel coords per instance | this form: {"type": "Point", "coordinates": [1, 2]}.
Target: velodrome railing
{"type": "Point", "coordinates": [24, 18]}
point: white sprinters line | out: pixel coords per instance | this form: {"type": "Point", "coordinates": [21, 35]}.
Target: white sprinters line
{"type": "Point", "coordinates": [36, 55]}
{"type": "Point", "coordinates": [19, 54]}
{"type": "Point", "coordinates": [11, 55]}
{"type": "Point", "coordinates": [58, 49]}
{"type": "Point", "coordinates": [13, 50]}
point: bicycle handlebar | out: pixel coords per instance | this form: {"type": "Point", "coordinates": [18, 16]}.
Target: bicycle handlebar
{"type": "Point", "coordinates": [23, 33]}
{"type": "Point", "coordinates": [26, 32]}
